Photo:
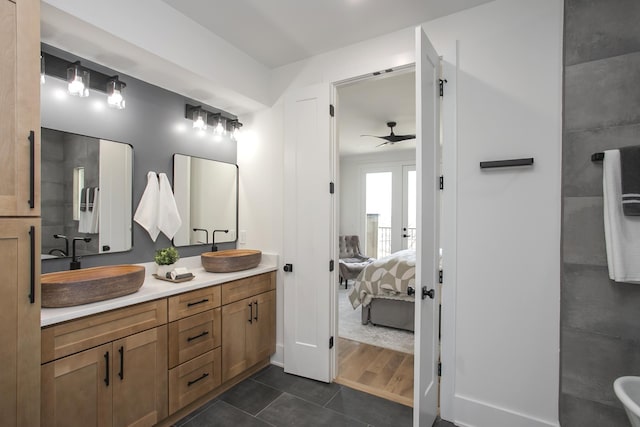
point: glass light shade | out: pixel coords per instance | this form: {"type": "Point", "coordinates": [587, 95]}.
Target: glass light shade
{"type": "Point", "coordinates": [200, 120]}
{"type": "Point", "coordinates": [219, 129]}
{"type": "Point", "coordinates": [78, 81]}
{"type": "Point", "coordinates": [114, 92]}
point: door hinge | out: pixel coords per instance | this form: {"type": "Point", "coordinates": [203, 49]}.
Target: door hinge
{"type": "Point", "coordinates": [439, 369]}
{"type": "Point", "coordinates": [441, 182]}
{"type": "Point", "coordinates": [331, 342]}
{"type": "Point", "coordinates": [442, 82]}
{"type": "Point", "coordinates": [332, 111]}
{"type": "Point", "coordinates": [331, 265]}
{"type": "Point", "coordinates": [440, 275]}
{"type": "Point", "coordinates": [332, 188]}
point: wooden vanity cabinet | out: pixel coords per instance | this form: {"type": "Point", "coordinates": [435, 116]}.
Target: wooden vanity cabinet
{"type": "Point", "coordinates": [111, 369]}
{"type": "Point", "coordinates": [248, 325]}
{"type": "Point", "coordinates": [194, 346]}
{"type": "Point", "coordinates": [20, 107]}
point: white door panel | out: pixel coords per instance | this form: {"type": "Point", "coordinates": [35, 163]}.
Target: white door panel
{"type": "Point", "coordinates": [307, 233]}
{"type": "Point", "coordinates": [427, 208]}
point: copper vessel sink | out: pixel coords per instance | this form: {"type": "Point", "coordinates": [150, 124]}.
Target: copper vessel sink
{"type": "Point", "coordinates": [76, 287]}
{"type": "Point", "coordinates": [230, 260]}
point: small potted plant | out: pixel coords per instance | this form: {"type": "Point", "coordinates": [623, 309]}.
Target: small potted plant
{"type": "Point", "coordinates": [165, 258]}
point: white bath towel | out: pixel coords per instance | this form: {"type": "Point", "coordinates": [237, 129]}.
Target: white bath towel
{"type": "Point", "coordinates": [169, 220]}
{"type": "Point", "coordinates": [95, 212]}
{"type": "Point", "coordinates": [89, 217]}
{"type": "Point", "coordinates": [622, 233]}
{"type": "Point", "coordinates": [147, 212]}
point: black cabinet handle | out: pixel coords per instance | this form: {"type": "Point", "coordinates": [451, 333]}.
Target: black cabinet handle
{"type": "Point", "coordinates": [121, 373]}
{"type": "Point", "coordinates": [288, 268]}
{"type": "Point", "coordinates": [250, 312]}
{"type": "Point", "coordinates": [203, 376]}
{"type": "Point", "coordinates": [32, 286]}
{"type": "Point", "coordinates": [189, 339]}
{"type": "Point", "coordinates": [32, 169]}
{"type": "Point", "coordinates": [256, 318]}
{"type": "Point", "coordinates": [197, 302]}
{"type": "Point", "coordinates": [106, 375]}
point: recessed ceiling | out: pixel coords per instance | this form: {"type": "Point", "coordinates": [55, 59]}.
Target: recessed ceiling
{"type": "Point", "coordinates": [279, 32]}
{"type": "Point", "coordinates": [366, 106]}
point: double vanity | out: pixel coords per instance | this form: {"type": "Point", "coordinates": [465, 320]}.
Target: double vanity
{"type": "Point", "coordinates": [153, 356]}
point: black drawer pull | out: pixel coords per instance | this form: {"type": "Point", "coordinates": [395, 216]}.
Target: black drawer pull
{"type": "Point", "coordinates": [121, 373]}
{"type": "Point", "coordinates": [32, 285]}
{"type": "Point", "coordinates": [203, 376]}
{"type": "Point", "coordinates": [189, 339]}
{"type": "Point", "coordinates": [251, 313]}
{"type": "Point", "coordinates": [106, 375]}
{"type": "Point", "coordinates": [256, 317]}
{"type": "Point", "coordinates": [32, 169]}
{"type": "Point", "coordinates": [197, 302]}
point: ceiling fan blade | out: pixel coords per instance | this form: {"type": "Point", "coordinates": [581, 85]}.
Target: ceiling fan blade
{"type": "Point", "coordinates": [400, 138]}
{"type": "Point", "coordinates": [376, 136]}
{"type": "Point", "coordinates": [380, 145]}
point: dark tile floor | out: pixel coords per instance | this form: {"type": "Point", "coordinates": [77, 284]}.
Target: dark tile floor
{"type": "Point", "coordinates": [273, 398]}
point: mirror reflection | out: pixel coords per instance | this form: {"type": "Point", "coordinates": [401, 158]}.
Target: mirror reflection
{"type": "Point", "coordinates": [86, 192]}
{"type": "Point", "coordinates": [206, 192]}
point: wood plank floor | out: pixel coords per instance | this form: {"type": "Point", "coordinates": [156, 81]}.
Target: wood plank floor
{"type": "Point", "coordinates": [375, 370]}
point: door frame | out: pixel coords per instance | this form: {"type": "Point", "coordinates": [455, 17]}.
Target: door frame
{"type": "Point", "coordinates": [448, 228]}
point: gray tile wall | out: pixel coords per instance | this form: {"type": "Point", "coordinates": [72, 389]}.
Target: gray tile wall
{"type": "Point", "coordinates": [600, 334]}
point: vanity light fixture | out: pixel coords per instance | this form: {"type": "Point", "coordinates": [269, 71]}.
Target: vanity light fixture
{"type": "Point", "coordinates": [235, 126]}
{"type": "Point", "coordinates": [114, 93]}
{"type": "Point", "coordinates": [78, 79]}
{"type": "Point", "coordinates": [41, 69]}
{"type": "Point", "coordinates": [219, 120]}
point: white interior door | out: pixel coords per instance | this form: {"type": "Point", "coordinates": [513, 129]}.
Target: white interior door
{"type": "Point", "coordinates": [427, 160]}
{"type": "Point", "coordinates": [308, 230]}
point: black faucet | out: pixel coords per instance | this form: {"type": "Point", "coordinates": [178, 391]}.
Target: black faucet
{"type": "Point", "coordinates": [75, 260]}
{"type": "Point", "coordinates": [66, 244]}
{"type": "Point", "coordinates": [214, 248]}
{"type": "Point", "coordinates": [206, 233]}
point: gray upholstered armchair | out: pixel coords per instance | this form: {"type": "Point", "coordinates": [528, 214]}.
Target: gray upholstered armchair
{"type": "Point", "coordinates": [351, 261]}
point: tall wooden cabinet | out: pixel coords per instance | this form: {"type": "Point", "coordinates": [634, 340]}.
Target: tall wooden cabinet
{"type": "Point", "coordinates": [19, 212]}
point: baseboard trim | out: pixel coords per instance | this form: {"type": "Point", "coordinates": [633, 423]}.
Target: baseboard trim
{"type": "Point", "coordinates": [474, 413]}
{"type": "Point", "coordinates": [277, 358]}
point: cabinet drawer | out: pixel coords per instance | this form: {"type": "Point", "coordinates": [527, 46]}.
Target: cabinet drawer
{"type": "Point", "coordinates": [193, 336]}
{"type": "Point", "coordinates": [78, 335]}
{"type": "Point", "coordinates": [193, 379]}
{"type": "Point", "coordinates": [193, 302]}
{"type": "Point", "coordinates": [244, 288]}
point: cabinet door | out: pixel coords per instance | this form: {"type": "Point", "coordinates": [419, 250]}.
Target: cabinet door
{"type": "Point", "coordinates": [76, 390]}
{"type": "Point", "coordinates": [236, 318]}
{"type": "Point", "coordinates": [20, 108]}
{"type": "Point", "coordinates": [261, 334]}
{"type": "Point", "coordinates": [20, 321]}
{"type": "Point", "coordinates": [140, 378]}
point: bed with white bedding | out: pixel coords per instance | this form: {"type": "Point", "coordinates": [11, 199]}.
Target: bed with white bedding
{"type": "Point", "coordinates": [381, 290]}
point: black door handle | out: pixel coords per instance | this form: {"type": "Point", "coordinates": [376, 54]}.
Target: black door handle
{"type": "Point", "coordinates": [428, 293]}
{"type": "Point", "coordinates": [411, 291]}
{"type": "Point", "coordinates": [288, 268]}
{"type": "Point", "coordinates": [32, 169]}
{"type": "Point", "coordinates": [32, 286]}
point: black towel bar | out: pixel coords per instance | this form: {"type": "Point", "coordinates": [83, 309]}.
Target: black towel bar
{"type": "Point", "coordinates": [506, 163]}
{"type": "Point", "coordinates": [597, 157]}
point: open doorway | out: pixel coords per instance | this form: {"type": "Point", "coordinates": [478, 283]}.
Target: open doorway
{"type": "Point", "coordinates": [377, 187]}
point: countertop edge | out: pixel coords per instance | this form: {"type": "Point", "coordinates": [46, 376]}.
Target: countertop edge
{"type": "Point", "coordinates": [153, 289]}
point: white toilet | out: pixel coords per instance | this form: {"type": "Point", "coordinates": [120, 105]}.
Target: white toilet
{"type": "Point", "coordinates": [628, 391]}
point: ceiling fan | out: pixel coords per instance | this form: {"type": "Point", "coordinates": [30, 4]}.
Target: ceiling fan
{"type": "Point", "coordinates": [392, 138]}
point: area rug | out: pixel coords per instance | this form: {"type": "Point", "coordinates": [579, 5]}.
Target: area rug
{"type": "Point", "coordinates": [350, 327]}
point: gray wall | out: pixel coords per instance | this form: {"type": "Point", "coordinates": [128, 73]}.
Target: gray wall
{"type": "Point", "coordinates": [153, 123]}
{"type": "Point", "coordinates": [600, 333]}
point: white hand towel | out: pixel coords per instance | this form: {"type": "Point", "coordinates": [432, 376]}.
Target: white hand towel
{"type": "Point", "coordinates": [84, 224]}
{"type": "Point", "coordinates": [95, 212]}
{"type": "Point", "coordinates": [147, 212]}
{"type": "Point", "coordinates": [169, 220]}
{"type": "Point", "coordinates": [622, 233]}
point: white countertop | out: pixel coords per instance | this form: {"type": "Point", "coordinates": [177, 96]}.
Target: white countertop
{"type": "Point", "coordinates": [153, 288]}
